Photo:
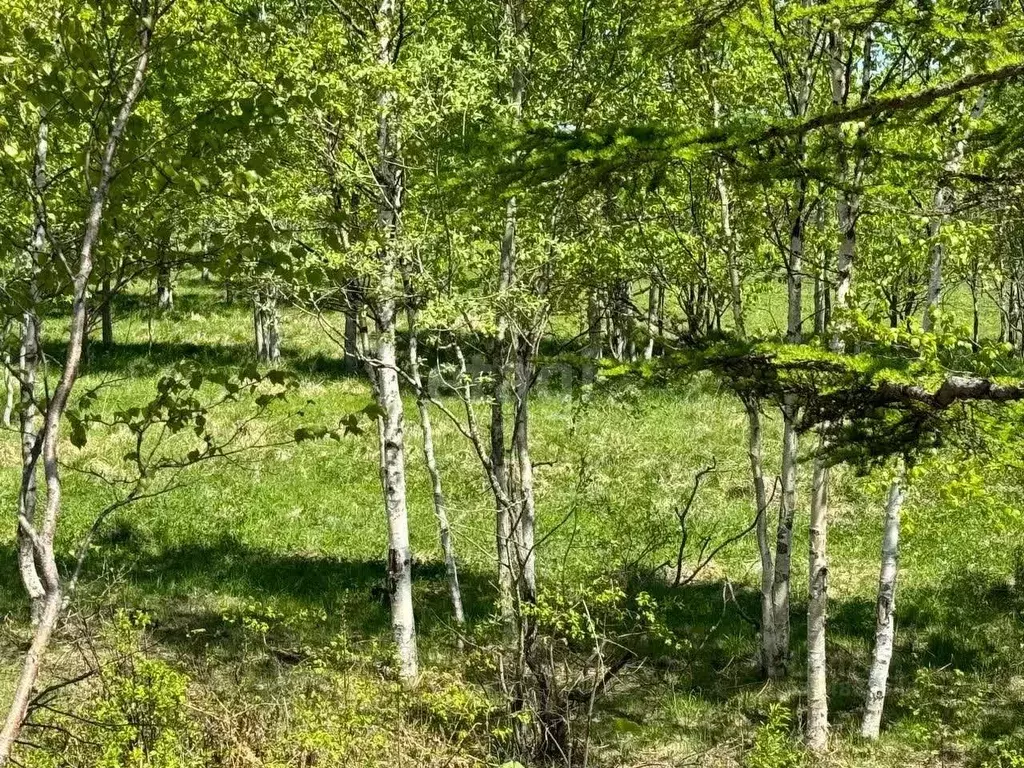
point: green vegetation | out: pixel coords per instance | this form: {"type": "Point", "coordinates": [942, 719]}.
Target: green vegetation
{"type": "Point", "coordinates": [260, 582]}
{"type": "Point", "coordinates": [593, 383]}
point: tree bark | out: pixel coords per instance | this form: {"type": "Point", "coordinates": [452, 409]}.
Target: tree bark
{"type": "Point", "coordinates": [9, 385]}
{"type": "Point", "coordinates": [524, 526]}
{"type": "Point", "coordinates": [769, 640]}
{"type": "Point", "coordinates": [731, 259]}
{"type": "Point", "coordinates": [943, 206]}
{"type": "Point", "coordinates": [388, 174]}
{"type": "Point", "coordinates": [784, 542]}
{"type": "Point", "coordinates": [267, 325]}
{"type": "Point", "coordinates": [43, 538]}
{"type": "Point", "coordinates": [353, 322]}
{"type": "Point", "coordinates": [848, 197]}
{"type": "Point", "coordinates": [512, 28]}
{"type": "Point", "coordinates": [821, 300]}
{"type": "Point", "coordinates": [620, 317]}
{"type": "Point", "coordinates": [500, 352]}
{"type": "Point", "coordinates": [429, 457]}
{"type": "Point", "coordinates": [652, 317]}
{"type": "Point", "coordinates": [164, 287]}
{"type": "Point", "coordinates": [28, 415]}
{"type": "Point", "coordinates": [817, 610]}
{"type": "Point", "coordinates": [885, 610]}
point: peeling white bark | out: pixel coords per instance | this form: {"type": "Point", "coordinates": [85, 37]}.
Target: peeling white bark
{"type": "Point", "coordinates": [42, 537]}
{"type": "Point", "coordinates": [388, 174]}
{"type": "Point", "coordinates": [769, 640]}
{"type": "Point", "coordinates": [429, 457]}
{"type": "Point", "coordinates": [778, 666]}
{"type": "Point", "coordinates": [885, 610]}
{"type": "Point", "coordinates": [817, 610]}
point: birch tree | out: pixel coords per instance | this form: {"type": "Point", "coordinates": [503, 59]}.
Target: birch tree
{"type": "Point", "coordinates": [46, 445]}
{"type": "Point", "coordinates": [885, 608]}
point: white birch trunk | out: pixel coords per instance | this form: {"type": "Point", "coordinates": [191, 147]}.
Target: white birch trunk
{"type": "Point", "coordinates": [652, 318]}
{"type": "Point", "coordinates": [885, 611]}
{"type": "Point", "coordinates": [267, 325]}
{"type": "Point", "coordinates": [164, 286]}
{"type": "Point", "coordinates": [769, 640]}
{"type": "Point", "coordinates": [525, 525]}
{"type": "Point", "coordinates": [503, 528]}
{"type": "Point", "coordinates": [784, 543]}
{"type": "Point", "coordinates": [429, 457]}
{"type": "Point", "coordinates": [500, 359]}
{"type": "Point", "coordinates": [817, 610]}
{"type": "Point", "coordinates": [735, 283]}
{"type": "Point", "coordinates": [848, 199]}
{"type": "Point", "coordinates": [10, 384]}
{"type": "Point", "coordinates": [942, 208]}
{"type": "Point", "coordinates": [28, 365]}
{"type": "Point", "coordinates": [388, 175]}
{"type": "Point", "coordinates": [42, 538]}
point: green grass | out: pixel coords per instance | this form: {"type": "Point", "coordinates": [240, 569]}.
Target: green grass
{"type": "Point", "coordinates": [294, 536]}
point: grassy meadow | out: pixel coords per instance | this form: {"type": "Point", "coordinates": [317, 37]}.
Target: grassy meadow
{"type": "Point", "coordinates": [256, 584]}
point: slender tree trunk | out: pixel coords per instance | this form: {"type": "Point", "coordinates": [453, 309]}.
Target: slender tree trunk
{"type": "Point", "coordinates": [784, 541]}
{"type": "Point", "coordinates": [799, 100]}
{"type": "Point", "coordinates": [620, 316]}
{"type": "Point", "coordinates": [844, 207]}
{"type": "Point", "coordinates": [388, 175]}
{"type": "Point", "coordinates": [440, 505]}
{"type": "Point", "coordinates": [164, 286]}
{"type": "Point", "coordinates": [943, 207]}
{"type": "Point", "coordinates": [652, 318]}
{"type": "Point", "coordinates": [769, 640]}
{"type": "Point", "coordinates": [975, 309]}
{"type": "Point", "coordinates": [794, 270]}
{"type": "Point", "coordinates": [353, 320]}
{"type": "Point", "coordinates": [817, 610]}
{"type": "Point", "coordinates": [525, 525]}
{"type": "Point", "coordinates": [392, 445]}
{"type": "Point", "coordinates": [43, 538]}
{"type": "Point", "coordinates": [848, 199]}
{"type": "Point", "coordinates": [28, 412]}
{"type": "Point", "coordinates": [885, 613]}
{"type": "Point", "coordinates": [10, 383]}
{"type": "Point", "coordinates": [1004, 308]}
{"type": "Point", "coordinates": [267, 325]}
{"type": "Point", "coordinates": [728, 239]}
{"type": "Point", "coordinates": [731, 258]}
{"type": "Point", "coordinates": [501, 354]}
{"type": "Point", "coordinates": [820, 301]}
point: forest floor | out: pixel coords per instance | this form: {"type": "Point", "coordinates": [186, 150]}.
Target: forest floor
{"type": "Point", "coordinates": [256, 585]}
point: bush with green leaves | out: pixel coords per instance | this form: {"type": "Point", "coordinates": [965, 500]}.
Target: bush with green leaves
{"type": "Point", "coordinates": [774, 746]}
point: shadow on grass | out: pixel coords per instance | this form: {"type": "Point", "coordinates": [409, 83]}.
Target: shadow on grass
{"type": "Point", "coordinates": [970, 625]}
{"type": "Point", "coordinates": [204, 591]}
{"type": "Point", "coordinates": [203, 597]}
{"type": "Point", "coordinates": [148, 359]}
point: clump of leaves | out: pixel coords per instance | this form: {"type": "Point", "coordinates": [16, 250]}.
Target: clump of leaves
{"type": "Point", "coordinates": [774, 746]}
